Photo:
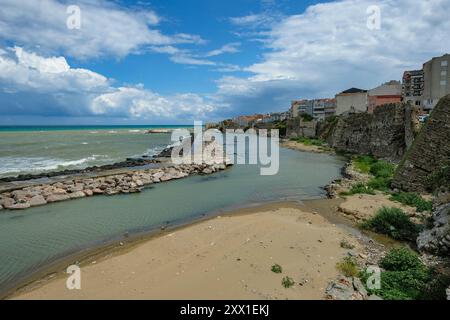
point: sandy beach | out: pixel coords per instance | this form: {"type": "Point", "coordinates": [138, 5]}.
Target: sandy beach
{"type": "Point", "coordinates": [294, 145]}
{"type": "Point", "coordinates": [226, 257]}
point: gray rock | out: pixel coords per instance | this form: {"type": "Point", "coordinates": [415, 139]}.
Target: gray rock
{"type": "Point", "coordinates": [1, 207]}
{"type": "Point", "coordinates": [57, 198]}
{"type": "Point", "coordinates": [19, 206]}
{"type": "Point", "coordinates": [345, 288]}
{"type": "Point", "coordinates": [435, 240]}
{"type": "Point", "coordinates": [6, 202]}
{"type": "Point", "coordinates": [37, 201]}
{"type": "Point", "coordinates": [88, 192]}
{"type": "Point", "coordinates": [374, 297]}
{"type": "Point", "coordinates": [77, 194]}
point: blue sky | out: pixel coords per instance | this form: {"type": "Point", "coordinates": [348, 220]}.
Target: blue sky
{"type": "Point", "coordinates": [172, 62]}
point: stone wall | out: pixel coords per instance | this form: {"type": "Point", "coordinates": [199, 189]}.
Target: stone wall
{"type": "Point", "coordinates": [387, 133]}
{"type": "Point", "coordinates": [429, 152]}
{"type": "Point", "coordinates": [297, 127]}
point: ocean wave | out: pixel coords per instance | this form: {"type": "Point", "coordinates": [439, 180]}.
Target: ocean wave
{"type": "Point", "coordinates": [12, 165]}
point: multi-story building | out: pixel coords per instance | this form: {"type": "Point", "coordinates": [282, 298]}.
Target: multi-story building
{"type": "Point", "coordinates": [298, 107]}
{"type": "Point", "coordinates": [389, 92]}
{"type": "Point", "coordinates": [351, 101]}
{"type": "Point", "coordinates": [412, 87]}
{"type": "Point", "coordinates": [323, 108]}
{"type": "Point", "coordinates": [436, 74]}
{"type": "Point", "coordinates": [317, 108]}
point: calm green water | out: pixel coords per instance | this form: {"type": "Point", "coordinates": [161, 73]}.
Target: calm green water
{"type": "Point", "coordinates": [33, 238]}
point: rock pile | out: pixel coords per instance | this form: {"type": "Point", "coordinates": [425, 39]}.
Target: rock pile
{"type": "Point", "coordinates": [346, 288]}
{"type": "Point", "coordinates": [131, 182]}
{"type": "Point", "coordinates": [437, 239]}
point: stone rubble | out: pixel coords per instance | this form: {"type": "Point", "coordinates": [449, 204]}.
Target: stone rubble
{"type": "Point", "coordinates": [437, 239]}
{"type": "Point", "coordinates": [131, 182]}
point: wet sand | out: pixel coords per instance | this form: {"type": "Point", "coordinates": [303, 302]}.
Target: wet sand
{"type": "Point", "coordinates": [225, 257]}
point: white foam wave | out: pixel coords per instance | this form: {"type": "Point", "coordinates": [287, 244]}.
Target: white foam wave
{"type": "Point", "coordinates": [12, 165]}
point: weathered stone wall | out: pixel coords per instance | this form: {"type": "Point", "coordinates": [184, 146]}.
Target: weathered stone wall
{"type": "Point", "coordinates": [299, 128]}
{"type": "Point", "coordinates": [429, 152]}
{"type": "Point", "coordinates": [386, 133]}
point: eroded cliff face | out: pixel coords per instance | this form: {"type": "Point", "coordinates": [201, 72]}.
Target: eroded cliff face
{"type": "Point", "coordinates": [429, 153]}
{"type": "Point", "coordinates": [387, 133]}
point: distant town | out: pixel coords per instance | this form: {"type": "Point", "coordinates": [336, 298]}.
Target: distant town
{"type": "Point", "coordinates": [422, 88]}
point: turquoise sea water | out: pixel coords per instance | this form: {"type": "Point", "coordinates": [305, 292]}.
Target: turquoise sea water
{"type": "Point", "coordinates": [33, 238]}
{"type": "Point", "coordinates": [38, 149]}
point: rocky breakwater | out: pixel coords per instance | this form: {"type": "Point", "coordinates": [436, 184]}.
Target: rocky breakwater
{"type": "Point", "coordinates": [131, 182]}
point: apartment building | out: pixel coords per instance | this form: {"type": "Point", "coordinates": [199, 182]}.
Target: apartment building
{"type": "Point", "coordinates": [323, 108]}
{"type": "Point", "coordinates": [436, 80]}
{"type": "Point", "coordinates": [298, 107]}
{"type": "Point", "coordinates": [412, 87]}
{"type": "Point", "coordinates": [351, 101]}
{"type": "Point", "coordinates": [389, 92]}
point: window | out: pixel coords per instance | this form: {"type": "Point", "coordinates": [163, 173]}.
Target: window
{"type": "Point", "coordinates": [443, 73]}
{"type": "Point", "coordinates": [443, 82]}
{"type": "Point", "coordinates": [417, 103]}
{"type": "Point", "coordinates": [444, 63]}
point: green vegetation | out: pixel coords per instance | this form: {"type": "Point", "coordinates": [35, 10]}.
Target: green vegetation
{"type": "Point", "coordinates": [287, 282]}
{"type": "Point", "coordinates": [277, 268]}
{"type": "Point", "coordinates": [394, 223]}
{"type": "Point", "coordinates": [348, 267]}
{"type": "Point", "coordinates": [357, 189]}
{"type": "Point", "coordinates": [405, 276]}
{"type": "Point", "coordinates": [346, 245]}
{"type": "Point", "coordinates": [307, 117]}
{"type": "Point", "coordinates": [412, 199]}
{"type": "Point", "coordinates": [381, 171]}
{"type": "Point", "coordinates": [364, 163]}
{"type": "Point", "coordinates": [310, 141]}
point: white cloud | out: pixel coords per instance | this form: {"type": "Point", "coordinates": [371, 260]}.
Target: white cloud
{"type": "Point", "coordinates": [106, 28]}
{"type": "Point", "coordinates": [329, 48]}
{"type": "Point", "coordinates": [31, 85]}
{"type": "Point", "coordinates": [140, 103]}
{"type": "Point", "coordinates": [228, 48]}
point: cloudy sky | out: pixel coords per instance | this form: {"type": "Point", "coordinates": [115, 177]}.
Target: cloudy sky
{"type": "Point", "coordinates": [170, 62]}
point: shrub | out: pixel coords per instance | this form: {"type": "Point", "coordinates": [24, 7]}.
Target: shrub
{"type": "Point", "coordinates": [357, 189]}
{"type": "Point", "coordinates": [405, 278]}
{"type": "Point", "coordinates": [394, 223]}
{"type": "Point", "coordinates": [348, 267]}
{"type": "Point", "coordinates": [412, 199]}
{"type": "Point", "coordinates": [382, 169]}
{"type": "Point", "coordinates": [380, 183]}
{"type": "Point", "coordinates": [363, 163]}
{"type": "Point", "coordinates": [287, 282]}
{"type": "Point", "coordinates": [307, 117]}
{"type": "Point", "coordinates": [401, 259]}
{"type": "Point", "coordinates": [277, 268]}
